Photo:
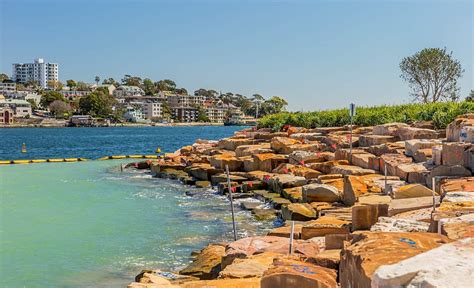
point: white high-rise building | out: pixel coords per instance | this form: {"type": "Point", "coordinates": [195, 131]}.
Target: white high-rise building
{"type": "Point", "coordinates": [38, 71]}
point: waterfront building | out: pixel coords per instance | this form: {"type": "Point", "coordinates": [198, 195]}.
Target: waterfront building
{"type": "Point", "coordinates": [21, 108]}
{"type": "Point", "coordinates": [152, 110]}
{"type": "Point", "coordinates": [82, 120]}
{"type": "Point", "coordinates": [134, 113]}
{"type": "Point", "coordinates": [175, 101]}
{"type": "Point", "coordinates": [218, 112]}
{"type": "Point", "coordinates": [6, 116]}
{"type": "Point", "coordinates": [38, 71]}
{"type": "Point", "coordinates": [185, 114]}
{"type": "Point", "coordinates": [7, 87]}
{"type": "Point", "coordinates": [124, 91]}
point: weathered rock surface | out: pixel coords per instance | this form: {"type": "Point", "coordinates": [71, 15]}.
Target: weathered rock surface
{"type": "Point", "coordinates": [390, 129]}
{"type": "Point", "coordinates": [449, 265]}
{"type": "Point", "coordinates": [320, 193]}
{"type": "Point", "coordinates": [408, 204]}
{"type": "Point", "coordinates": [294, 273]}
{"type": "Point", "coordinates": [370, 250]}
{"type": "Point", "coordinates": [453, 131]}
{"type": "Point", "coordinates": [265, 162]}
{"type": "Point", "coordinates": [252, 266]}
{"type": "Point", "coordinates": [364, 216]}
{"type": "Point", "coordinates": [412, 191]}
{"type": "Point", "coordinates": [298, 212]}
{"type": "Point", "coordinates": [323, 226]}
{"type": "Point", "coordinates": [387, 224]}
{"type": "Point", "coordinates": [207, 264]}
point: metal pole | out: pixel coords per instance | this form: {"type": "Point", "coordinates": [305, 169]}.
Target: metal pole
{"type": "Point", "coordinates": [385, 178]}
{"type": "Point", "coordinates": [292, 231]}
{"type": "Point", "coordinates": [350, 149]}
{"type": "Point", "coordinates": [256, 114]}
{"type": "Point", "coordinates": [231, 201]}
{"type": "Point", "coordinates": [433, 183]}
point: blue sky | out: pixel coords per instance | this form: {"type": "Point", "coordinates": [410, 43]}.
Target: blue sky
{"type": "Point", "coordinates": [315, 54]}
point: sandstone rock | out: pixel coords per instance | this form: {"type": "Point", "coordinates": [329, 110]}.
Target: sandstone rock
{"type": "Point", "coordinates": [294, 194]}
{"type": "Point", "coordinates": [412, 146]}
{"type": "Point", "coordinates": [268, 135]}
{"type": "Point", "coordinates": [327, 258]}
{"type": "Point", "coordinates": [220, 161]}
{"type": "Point", "coordinates": [252, 266]}
{"type": "Point", "coordinates": [285, 231]}
{"type": "Point", "coordinates": [264, 214]}
{"type": "Point", "coordinates": [202, 171]}
{"type": "Point", "coordinates": [325, 167]}
{"type": "Point", "coordinates": [457, 184]}
{"type": "Point", "coordinates": [302, 171]}
{"type": "Point", "coordinates": [248, 186]}
{"type": "Point", "coordinates": [366, 161]}
{"type": "Point", "coordinates": [369, 140]}
{"type": "Point", "coordinates": [390, 129]}
{"type": "Point", "coordinates": [412, 191]}
{"type": "Point", "coordinates": [408, 133]}
{"type": "Point", "coordinates": [267, 161]}
{"type": "Point", "coordinates": [232, 143]}
{"type": "Point", "coordinates": [324, 225]}
{"type": "Point", "coordinates": [408, 204]}
{"type": "Point", "coordinates": [393, 161]}
{"type": "Point", "coordinates": [157, 277]}
{"type": "Point", "coordinates": [298, 157]}
{"type": "Point", "coordinates": [306, 136]}
{"type": "Point", "coordinates": [222, 178]}
{"type": "Point", "coordinates": [277, 202]}
{"type": "Point", "coordinates": [387, 224]}
{"type": "Point", "coordinates": [320, 193]}
{"type": "Point", "coordinates": [281, 181]}
{"type": "Point", "coordinates": [207, 263]}
{"type": "Point", "coordinates": [463, 207]}
{"type": "Point", "coordinates": [424, 270]}
{"type": "Point", "coordinates": [298, 212]}
{"type": "Point", "coordinates": [336, 241]}
{"type": "Point", "coordinates": [282, 145]}
{"type": "Point", "coordinates": [458, 197]}
{"type": "Point", "coordinates": [354, 187]}
{"type": "Point", "coordinates": [370, 250]}
{"type": "Point", "coordinates": [250, 205]}
{"type": "Point", "coordinates": [245, 247]}
{"type": "Point", "coordinates": [350, 170]}
{"type": "Point", "coordinates": [453, 130]}
{"type": "Point", "coordinates": [423, 155]}
{"type": "Point", "coordinates": [368, 199]}
{"type": "Point", "coordinates": [444, 170]}
{"type": "Point", "coordinates": [292, 273]}
{"type": "Point", "coordinates": [457, 227]}
{"type": "Point", "coordinates": [468, 157]}
{"type": "Point", "coordinates": [364, 216]}
{"type": "Point", "coordinates": [453, 153]}
{"type": "Point", "coordinates": [203, 184]}
{"type": "Point", "coordinates": [248, 150]}
{"type": "Point", "coordinates": [224, 283]}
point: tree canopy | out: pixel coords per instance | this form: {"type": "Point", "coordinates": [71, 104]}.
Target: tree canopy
{"type": "Point", "coordinates": [97, 103]}
{"type": "Point", "coordinates": [49, 97]}
{"type": "Point", "coordinates": [432, 74]}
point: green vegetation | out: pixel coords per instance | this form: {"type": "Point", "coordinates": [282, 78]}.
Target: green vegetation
{"type": "Point", "coordinates": [440, 113]}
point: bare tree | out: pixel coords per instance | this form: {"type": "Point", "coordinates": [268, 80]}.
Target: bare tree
{"type": "Point", "coordinates": [432, 74]}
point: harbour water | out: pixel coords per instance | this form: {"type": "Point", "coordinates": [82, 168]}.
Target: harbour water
{"type": "Point", "coordinates": [86, 224]}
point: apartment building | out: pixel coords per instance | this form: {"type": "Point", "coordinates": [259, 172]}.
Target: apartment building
{"type": "Point", "coordinates": [127, 91]}
{"type": "Point", "coordinates": [7, 87]}
{"type": "Point", "coordinates": [21, 108]}
{"type": "Point", "coordinates": [185, 114]}
{"type": "Point", "coordinates": [152, 110]}
{"type": "Point", "coordinates": [38, 71]}
{"type": "Point", "coordinates": [185, 101]}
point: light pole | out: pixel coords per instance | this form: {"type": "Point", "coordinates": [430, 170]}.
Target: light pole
{"type": "Point", "coordinates": [257, 104]}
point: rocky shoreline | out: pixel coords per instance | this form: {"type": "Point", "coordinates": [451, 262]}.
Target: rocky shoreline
{"type": "Point", "coordinates": [353, 225]}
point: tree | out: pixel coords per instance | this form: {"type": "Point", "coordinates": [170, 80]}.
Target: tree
{"type": "Point", "coordinates": [82, 86]}
{"type": "Point", "coordinates": [149, 87]}
{"type": "Point", "coordinates": [97, 80]}
{"type": "Point", "coordinates": [32, 84]}
{"type": "Point", "coordinates": [257, 96]}
{"type": "Point", "coordinates": [34, 106]}
{"type": "Point", "coordinates": [165, 110]}
{"type": "Point", "coordinates": [4, 77]}
{"type": "Point", "coordinates": [54, 85]}
{"type": "Point", "coordinates": [71, 84]}
{"type": "Point", "coordinates": [165, 85]}
{"type": "Point", "coordinates": [97, 103]}
{"type": "Point", "coordinates": [132, 81]}
{"type": "Point", "coordinates": [59, 109]}
{"type": "Point", "coordinates": [470, 98]}
{"type": "Point", "coordinates": [49, 97]}
{"type": "Point", "coordinates": [432, 74]}
{"type": "Point", "coordinates": [111, 81]}
{"type": "Point", "coordinates": [181, 91]}
{"type": "Point", "coordinates": [273, 105]}
{"type": "Point", "coordinates": [202, 116]}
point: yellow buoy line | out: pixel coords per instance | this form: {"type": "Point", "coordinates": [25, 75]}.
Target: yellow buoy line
{"type": "Point", "coordinates": [57, 160]}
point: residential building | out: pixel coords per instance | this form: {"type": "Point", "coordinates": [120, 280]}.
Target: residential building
{"type": "Point", "coordinates": [185, 114]}
{"type": "Point", "coordinates": [7, 87]}
{"type": "Point", "coordinates": [73, 94]}
{"type": "Point", "coordinates": [217, 113]}
{"type": "Point", "coordinates": [38, 71]}
{"type": "Point", "coordinates": [6, 115]}
{"type": "Point", "coordinates": [21, 108]}
{"type": "Point", "coordinates": [152, 110]}
{"type": "Point", "coordinates": [33, 96]}
{"type": "Point", "coordinates": [134, 113]}
{"type": "Point", "coordinates": [82, 120]}
{"type": "Point", "coordinates": [185, 101]}
{"type": "Point", "coordinates": [111, 88]}
{"type": "Point", "coordinates": [124, 91]}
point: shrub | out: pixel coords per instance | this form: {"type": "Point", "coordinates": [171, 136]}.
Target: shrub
{"type": "Point", "coordinates": [440, 113]}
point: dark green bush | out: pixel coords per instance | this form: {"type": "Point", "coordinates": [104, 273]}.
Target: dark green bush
{"type": "Point", "coordinates": [440, 113]}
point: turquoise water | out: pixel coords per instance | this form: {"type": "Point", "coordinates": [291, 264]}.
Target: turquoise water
{"type": "Point", "coordinates": [86, 224]}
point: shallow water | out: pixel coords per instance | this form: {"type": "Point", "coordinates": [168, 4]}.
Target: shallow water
{"type": "Point", "coordinates": [86, 224]}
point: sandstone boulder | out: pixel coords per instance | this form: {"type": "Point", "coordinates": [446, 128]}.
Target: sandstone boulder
{"type": "Point", "coordinates": [325, 167]}
{"type": "Point", "coordinates": [223, 283]}
{"type": "Point", "coordinates": [350, 170]}
{"type": "Point", "coordinates": [408, 133]}
{"type": "Point", "coordinates": [294, 273]}
{"type": "Point", "coordinates": [424, 270]}
{"type": "Point", "coordinates": [282, 145]}
{"type": "Point", "coordinates": [370, 250]}
{"type": "Point", "coordinates": [411, 191]}
{"type": "Point", "coordinates": [409, 204]}
{"type": "Point", "coordinates": [320, 193]}
{"type": "Point", "coordinates": [370, 140]}
{"type": "Point", "coordinates": [456, 170]}
{"type": "Point", "coordinates": [392, 161]}
{"type": "Point", "coordinates": [364, 216]}
{"type": "Point", "coordinates": [412, 146]}
{"type": "Point", "coordinates": [298, 212]}
{"type": "Point", "coordinates": [453, 153]}
{"type": "Point", "coordinates": [389, 129]}
{"type": "Point", "coordinates": [323, 226]}
{"type": "Point", "coordinates": [267, 162]}
{"type": "Point", "coordinates": [388, 224]}
{"type": "Point", "coordinates": [294, 194]}
{"type": "Point", "coordinates": [248, 150]}
{"type": "Point", "coordinates": [453, 130]}
{"type": "Point", "coordinates": [207, 264]}
{"type": "Point", "coordinates": [220, 161]}
{"type": "Point", "coordinates": [282, 181]}
{"type": "Point", "coordinates": [457, 227]}
{"type": "Point", "coordinates": [232, 143]}
{"type": "Point", "coordinates": [252, 266]}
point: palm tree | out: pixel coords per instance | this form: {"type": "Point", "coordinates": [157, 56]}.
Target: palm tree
{"type": "Point", "coordinates": [97, 80]}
